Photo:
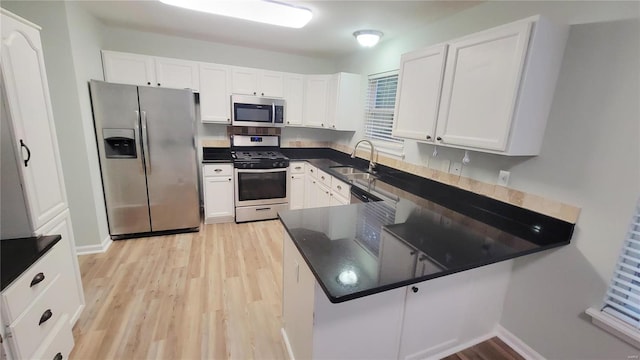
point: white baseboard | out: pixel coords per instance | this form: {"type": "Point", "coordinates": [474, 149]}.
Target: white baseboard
{"type": "Point", "coordinates": [287, 344]}
{"type": "Point", "coordinates": [94, 249]}
{"type": "Point", "coordinates": [452, 350]}
{"type": "Point", "coordinates": [516, 344]}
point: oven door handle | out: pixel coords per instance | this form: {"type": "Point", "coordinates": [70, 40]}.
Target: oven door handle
{"type": "Point", "coordinates": [262, 170]}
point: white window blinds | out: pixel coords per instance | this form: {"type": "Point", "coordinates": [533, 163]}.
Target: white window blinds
{"type": "Point", "coordinates": [623, 298]}
{"type": "Point", "coordinates": [379, 108]}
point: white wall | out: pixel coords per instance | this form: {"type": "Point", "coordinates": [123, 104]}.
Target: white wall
{"type": "Point", "coordinates": [88, 227]}
{"type": "Point", "coordinates": [590, 158]}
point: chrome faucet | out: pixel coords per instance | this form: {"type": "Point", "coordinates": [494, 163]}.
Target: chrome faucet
{"type": "Point", "coordinates": [371, 163]}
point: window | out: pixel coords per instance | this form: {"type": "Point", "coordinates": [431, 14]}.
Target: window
{"type": "Point", "coordinates": [379, 108]}
{"type": "Point", "coordinates": [621, 311]}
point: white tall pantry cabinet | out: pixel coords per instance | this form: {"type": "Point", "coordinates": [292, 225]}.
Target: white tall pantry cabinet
{"type": "Point", "coordinates": [26, 108]}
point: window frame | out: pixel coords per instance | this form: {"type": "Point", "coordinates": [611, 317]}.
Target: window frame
{"type": "Point", "coordinates": [394, 148]}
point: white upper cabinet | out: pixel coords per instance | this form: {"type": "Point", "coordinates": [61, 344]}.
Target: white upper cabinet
{"type": "Point", "coordinates": [345, 102]}
{"type": "Point", "coordinates": [178, 74]}
{"type": "Point", "coordinates": [134, 69]}
{"type": "Point", "coordinates": [258, 82]}
{"type": "Point", "coordinates": [29, 114]}
{"type": "Point", "coordinates": [481, 87]}
{"type": "Point", "coordinates": [125, 68]}
{"type": "Point", "coordinates": [419, 88]}
{"type": "Point", "coordinates": [315, 100]}
{"type": "Point", "coordinates": [294, 98]}
{"type": "Point", "coordinates": [496, 93]}
{"type": "Point", "coordinates": [215, 93]}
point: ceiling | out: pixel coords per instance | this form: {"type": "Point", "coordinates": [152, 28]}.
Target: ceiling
{"type": "Point", "coordinates": [329, 34]}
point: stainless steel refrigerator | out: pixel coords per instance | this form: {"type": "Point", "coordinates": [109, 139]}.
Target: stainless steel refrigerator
{"type": "Point", "coordinates": [147, 153]}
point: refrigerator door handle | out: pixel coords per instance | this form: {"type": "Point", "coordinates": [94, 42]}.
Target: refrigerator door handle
{"type": "Point", "coordinates": [145, 142]}
{"type": "Point", "coordinates": [138, 135]}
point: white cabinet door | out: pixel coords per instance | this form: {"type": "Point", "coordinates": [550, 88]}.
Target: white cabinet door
{"type": "Point", "coordinates": [323, 195]}
{"type": "Point", "coordinates": [337, 200]}
{"type": "Point", "coordinates": [294, 97]}
{"type": "Point", "coordinates": [332, 101]}
{"type": "Point", "coordinates": [218, 199]}
{"type": "Point", "coordinates": [310, 192]}
{"type": "Point", "coordinates": [315, 100]}
{"type": "Point", "coordinates": [28, 107]}
{"type": "Point", "coordinates": [127, 68]}
{"type": "Point", "coordinates": [297, 191]}
{"type": "Point", "coordinates": [419, 89]}
{"type": "Point", "coordinates": [297, 301]}
{"type": "Point", "coordinates": [271, 84]}
{"type": "Point", "coordinates": [480, 88]}
{"type": "Point", "coordinates": [215, 93]}
{"type": "Point", "coordinates": [346, 103]}
{"type": "Point", "coordinates": [245, 81]}
{"type": "Point", "coordinates": [397, 259]}
{"type": "Point", "coordinates": [178, 74]}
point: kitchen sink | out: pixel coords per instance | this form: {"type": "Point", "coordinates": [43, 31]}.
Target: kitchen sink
{"type": "Point", "coordinates": [353, 174]}
{"type": "Point", "coordinates": [348, 171]}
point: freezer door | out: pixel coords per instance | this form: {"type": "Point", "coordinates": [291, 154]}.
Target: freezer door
{"type": "Point", "coordinates": [168, 122]}
{"type": "Point", "coordinates": [117, 124]}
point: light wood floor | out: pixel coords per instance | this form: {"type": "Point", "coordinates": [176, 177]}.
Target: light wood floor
{"type": "Point", "coordinates": [215, 294]}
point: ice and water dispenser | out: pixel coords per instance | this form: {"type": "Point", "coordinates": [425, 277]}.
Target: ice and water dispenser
{"type": "Point", "coordinates": [119, 143]}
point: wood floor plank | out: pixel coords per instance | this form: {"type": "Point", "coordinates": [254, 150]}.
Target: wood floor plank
{"type": "Point", "coordinates": [214, 294]}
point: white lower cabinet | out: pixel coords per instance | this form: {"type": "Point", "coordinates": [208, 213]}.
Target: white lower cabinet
{"type": "Point", "coordinates": [35, 314]}
{"type": "Point", "coordinates": [424, 320]}
{"type": "Point", "coordinates": [323, 195]}
{"type": "Point", "coordinates": [322, 189]}
{"type": "Point", "coordinates": [218, 193]}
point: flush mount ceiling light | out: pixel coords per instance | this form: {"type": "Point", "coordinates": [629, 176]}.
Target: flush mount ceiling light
{"type": "Point", "coordinates": [368, 38]}
{"type": "Point", "coordinates": [267, 12]}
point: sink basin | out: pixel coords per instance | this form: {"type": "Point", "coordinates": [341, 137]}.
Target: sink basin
{"type": "Point", "coordinates": [361, 175]}
{"type": "Point", "coordinates": [348, 170]}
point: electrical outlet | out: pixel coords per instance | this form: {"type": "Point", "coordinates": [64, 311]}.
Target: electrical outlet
{"type": "Point", "coordinates": [455, 168]}
{"type": "Point", "coordinates": [503, 178]}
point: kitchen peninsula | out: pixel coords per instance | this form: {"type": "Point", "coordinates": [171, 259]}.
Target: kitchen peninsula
{"type": "Point", "coordinates": [407, 277]}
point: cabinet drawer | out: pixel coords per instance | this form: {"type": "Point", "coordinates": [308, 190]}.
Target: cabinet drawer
{"type": "Point", "coordinates": [340, 187]}
{"type": "Point", "coordinates": [39, 319]}
{"type": "Point", "coordinates": [59, 343]}
{"type": "Point", "coordinates": [21, 293]}
{"type": "Point", "coordinates": [296, 168]}
{"type": "Point", "coordinates": [311, 170]}
{"type": "Point", "coordinates": [218, 170]}
{"type": "Point", "coordinates": [324, 178]}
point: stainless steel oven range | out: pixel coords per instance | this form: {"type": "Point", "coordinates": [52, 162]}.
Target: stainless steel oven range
{"type": "Point", "coordinates": [261, 174]}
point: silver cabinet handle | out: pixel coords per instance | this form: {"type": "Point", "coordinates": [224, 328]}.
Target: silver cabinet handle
{"type": "Point", "coordinates": [145, 141]}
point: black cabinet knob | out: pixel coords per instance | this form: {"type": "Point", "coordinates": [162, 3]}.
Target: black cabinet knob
{"type": "Point", "coordinates": [37, 279]}
{"type": "Point", "coordinates": [262, 94]}
{"type": "Point", "coordinates": [45, 316]}
{"type": "Point", "coordinates": [148, 82]}
{"type": "Point", "coordinates": [439, 138]}
{"type": "Point", "coordinates": [414, 289]}
{"type": "Point", "coordinates": [158, 84]}
{"type": "Point", "coordinates": [412, 253]}
{"type": "Point", "coordinates": [428, 137]}
{"type": "Point", "coordinates": [58, 356]}
{"type": "Point", "coordinates": [254, 93]}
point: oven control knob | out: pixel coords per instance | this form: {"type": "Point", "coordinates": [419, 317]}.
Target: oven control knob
{"type": "Point", "coordinates": [244, 165]}
{"type": "Point", "coordinates": [275, 164]}
{"type": "Point", "coordinates": [251, 165]}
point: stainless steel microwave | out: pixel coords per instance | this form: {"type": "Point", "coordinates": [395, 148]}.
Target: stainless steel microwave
{"type": "Point", "coordinates": [256, 111]}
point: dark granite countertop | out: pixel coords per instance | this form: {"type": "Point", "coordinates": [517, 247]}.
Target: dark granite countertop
{"type": "Point", "coordinates": [211, 155]}
{"type": "Point", "coordinates": [17, 255]}
{"type": "Point", "coordinates": [422, 230]}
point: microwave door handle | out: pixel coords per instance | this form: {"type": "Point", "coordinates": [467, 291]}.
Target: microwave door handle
{"type": "Point", "coordinates": [273, 113]}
